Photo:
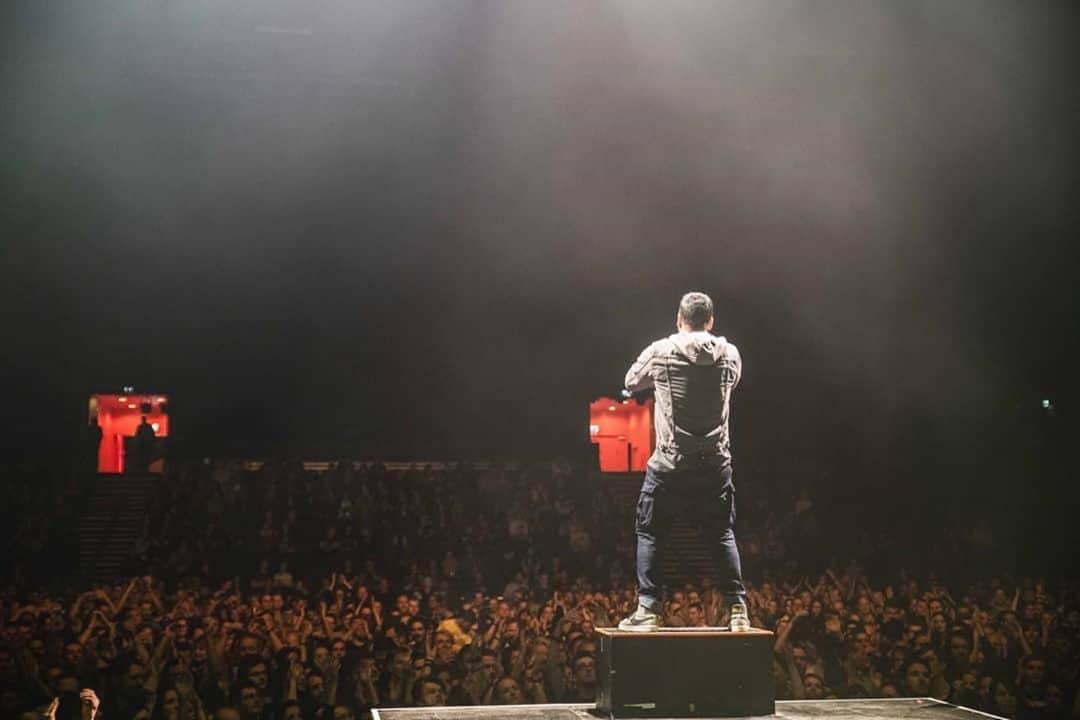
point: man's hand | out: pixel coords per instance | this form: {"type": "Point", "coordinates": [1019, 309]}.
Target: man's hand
{"type": "Point", "coordinates": [49, 713]}
{"type": "Point", "coordinates": [296, 672]}
{"type": "Point", "coordinates": [88, 704]}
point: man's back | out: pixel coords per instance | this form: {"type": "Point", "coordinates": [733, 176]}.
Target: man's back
{"type": "Point", "coordinates": [693, 374]}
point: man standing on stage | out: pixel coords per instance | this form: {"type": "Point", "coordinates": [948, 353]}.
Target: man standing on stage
{"type": "Point", "coordinates": [693, 373]}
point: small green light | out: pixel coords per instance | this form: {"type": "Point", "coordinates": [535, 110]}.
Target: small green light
{"type": "Point", "coordinates": [1046, 404]}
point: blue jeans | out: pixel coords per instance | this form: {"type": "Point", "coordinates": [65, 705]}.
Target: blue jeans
{"type": "Point", "coordinates": [706, 498]}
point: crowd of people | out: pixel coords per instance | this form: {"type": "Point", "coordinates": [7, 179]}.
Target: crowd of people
{"type": "Point", "coordinates": [284, 594]}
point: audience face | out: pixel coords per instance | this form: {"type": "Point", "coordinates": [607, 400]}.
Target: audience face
{"type": "Point", "coordinates": [133, 679]}
{"type": "Point", "coordinates": [432, 693]}
{"type": "Point", "coordinates": [508, 692]}
{"type": "Point", "coordinates": [321, 656]}
{"type": "Point", "coordinates": [170, 703]}
{"type": "Point", "coordinates": [1004, 700]}
{"type": "Point", "coordinates": [316, 688]}
{"type": "Point", "coordinates": [917, 680]}
{"type": "Point", "coordinates": [73, 654]}
{"type": "Point", "coordinates": [249, 647]}
{"type": "Point", "coordinates": [1034, 674]}
{"type": "Point", "coordinates": [585, 671]}
{"type": "Point", "coordinates": [259, 676]}
{"type": "Point", "coordinates": [400, 663]}
{"type": "Point", "coordinates": [959, 648]}
{"type": "Point", "coordinates": [250, 703]}
{"type": "Point", "coordinates": [444, 646]}
{"type": "Point", "coordinates": [52, 676]}
{"type": "Point", "coordinates": [490, 666]}
{"type": "Point", "coordinates": [421, 667]}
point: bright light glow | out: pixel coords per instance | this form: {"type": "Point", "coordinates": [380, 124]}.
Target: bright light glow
{"type": "Point", "coordinates": [594, 429]}
{"type": "Point", "coordinates": [1046, 404]}
{"type": "Point", "coordinates": [155, 426]}
{"type": "Point", "coordinates": [122, 399]}
{"type": "Point", "coordinates": [161, 399]}
{"type": "Point", "coordinates": [132, 406]}
{"type": "Point", "coordinates": [611, 408]}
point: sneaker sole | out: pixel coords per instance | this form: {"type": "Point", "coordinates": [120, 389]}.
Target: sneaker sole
{"type": "Point", "coordinates": [639, 628]}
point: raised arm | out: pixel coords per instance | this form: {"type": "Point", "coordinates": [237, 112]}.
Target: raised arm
{"type": "Point", "coordinates": [782, 638]}
{"type": "Point", "coordinates": [104, 596]}
{"type": "Point", "coordinates": [215, 655]}
{"type": "Point", "coordinates": [271, 634]}
{"type": "Point", "coordinates": [296, 671]}
{"type": "Point", "coordinates": [639, 376]}
{"type": "Point", "coordinates": [124, 598]}
{"type": "Point", "coordinates": [798, 690]}
{"type": "Point", "coordinates": [88, 632]}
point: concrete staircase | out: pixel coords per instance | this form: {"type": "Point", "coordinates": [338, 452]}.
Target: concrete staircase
{"type": "Point", "coordinates": [687, 558]}
{"type": "Point", "coordinates": [113, 518]}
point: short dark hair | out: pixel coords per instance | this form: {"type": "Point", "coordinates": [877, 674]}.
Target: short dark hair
{"type": "Point", "coordinates": [418, 688]}
{"type": "Point", "coordinates": [583, 656]}
{"type": "Point", "coordinates": [695, 310]}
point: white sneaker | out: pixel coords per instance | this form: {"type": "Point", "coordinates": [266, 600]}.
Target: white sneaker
{"type": "Point", "coordinates": [740, 620]}
{"type": "Point", "coordinates": [642, 620]}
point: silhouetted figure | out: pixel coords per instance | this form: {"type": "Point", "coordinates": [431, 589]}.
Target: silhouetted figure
{"type": "Point", "coordinates": [93, 446]}
{"type": "Point", "coordinates": [144, 446]}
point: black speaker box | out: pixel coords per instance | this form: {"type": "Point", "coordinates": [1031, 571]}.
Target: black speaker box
{"type": "Point", "coordinates": [683, 672]}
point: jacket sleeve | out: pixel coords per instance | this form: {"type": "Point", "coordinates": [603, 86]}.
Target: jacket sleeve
{"type": "Point", "coordinates": [736, 364]}
{"type": "Point", "coordinates": [639, 376]}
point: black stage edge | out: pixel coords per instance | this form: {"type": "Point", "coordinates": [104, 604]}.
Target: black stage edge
{"type": "Point", "coordinates": [877, 709]}
{"type": "Point", "coordinates": [684, 672]}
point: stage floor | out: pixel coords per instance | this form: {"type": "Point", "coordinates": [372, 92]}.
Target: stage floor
{"type": "Point", "coordinates": [875, 709]}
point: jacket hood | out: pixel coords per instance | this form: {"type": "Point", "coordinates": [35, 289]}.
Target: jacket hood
{"type": "Point", "coordinates": [700, 347]}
